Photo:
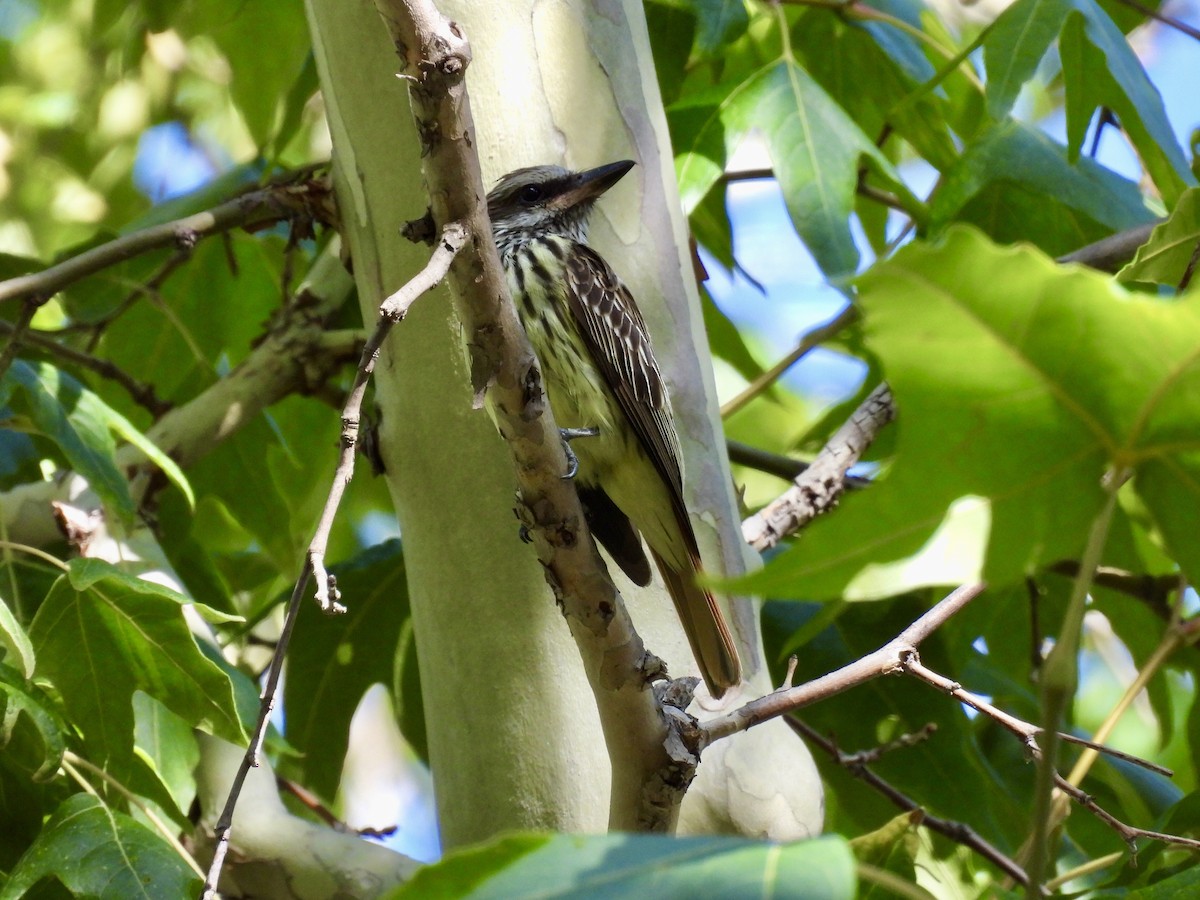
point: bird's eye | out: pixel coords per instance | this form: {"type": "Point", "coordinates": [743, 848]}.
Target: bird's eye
{"type": "Point", "coordinates": [531, 193]}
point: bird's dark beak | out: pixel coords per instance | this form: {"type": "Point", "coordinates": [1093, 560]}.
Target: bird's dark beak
{"type": "Point", "coordinates": [586, 186]}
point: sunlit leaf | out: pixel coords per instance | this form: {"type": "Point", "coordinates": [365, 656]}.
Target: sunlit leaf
{"type": "Point", "coordinates": [1019, 384]}
{"type": "Point", "coordinates": [96, 851]}
{"type": "Point", "coordinates": [56, 406]}
{"type": "Point", "coordinates": [629, 865]}
{"type": "Point", "coordinates": [100, 635]}
{"type": "Point", "coordinates": [40, 752]}
{"type": "Point", "coordinates": [815, 149]}
{"type": "Point", "coordinates": [1016, 184]}
{"type": "Point", "coordinates": [1099, 68]}
{"type": "Point", "coordinates": [14, 641]}
{"type": "Point", "coordinates": [1172, 247]}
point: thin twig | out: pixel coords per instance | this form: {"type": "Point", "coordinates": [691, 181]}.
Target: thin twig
{"type": "Point", "coordinates": [17, 336]}
{"type": "Point", "coordinates": [1170, 21]}
{"type": "Point", "coordinates": [1189, 270]}
{"type": "Point", "coordinates": [1026, 732]}
{"type": "Point", "coordinates": [313, 804]}
{"type": "Point", "coordinates": [956, 831]}
{"type": "Point", "coordinates": [142, 394]}
{"type": "Point", "coordinates": [818, 488]}
{"type": "Point", "coordinates": [809, 342]}
{"type": "Point", "coordinates": [887, 660]}
{"type": "Point", "coordinates": [393, 309]}
{"type": "Point", "coordinates": [1153, 590]}
{"type": "Point", "coordinates": [863, 189]}
{"type": "Point", "coordinates": [256, 208]}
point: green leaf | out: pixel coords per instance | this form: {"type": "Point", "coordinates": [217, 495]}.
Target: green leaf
{"type": "Point", "coordinates": [407, 699]}
{"type": "Point", "coordinates": [672, 27]}
{"type": "Point", "coordinates": [100, 635]}
{"type": "Point", "coordinates": [629, 865]}
{"type": "Point", "coordinates": [1014, 46]}
{"type": "Point", "coordinates": [815, 148]}
{"type": "Point", "coordinates": [334, 659]}
{"type": "Point", "coordinates": [82, 425]}
{"type": "Point", "coordinates": [873, 70]}
{"type": "Point", "coordinates": [894, 847]}
{"type": "Point", "coordinates": [180, 345]}
{"type": "Point", "coordinates": [166, 746]}
{"type": "Point", "coordinates": [709, 223]}
{"type": "Point", "coordinates": [99, 852]}
{"type": "Point", "coordinates": [718, 24]}
{"type": "Point", "coordinates": [18, 651]}
{"type": "Point", "coordinates": [1016, 184]}
{"type": "Point", "coordinates": [1099, 68]}
{"type": "Point", "coordinates": [54, 403]}
{"type": "Point", "coordinates": [92, 406]}
{"type": "Point", "coordinates": [84, 573]}
{"type": "Point", "coordinates": [1165, 257]}
{"type": "Point", "coordinates": [726, 341]}
{"type": "Point", "coordinates": [263, 69]}
{"type": "Point", "coordinates": [295, 102]}
{"type": "Point", "coordinates": [39, 753]}
{"type": "Point", "coordinates": [235, 473]}
{"type": "Point", "coordinates": [1019, 383]}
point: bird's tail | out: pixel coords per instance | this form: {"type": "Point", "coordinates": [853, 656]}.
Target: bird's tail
{"type": "Point", "coordinates": [703, 623]}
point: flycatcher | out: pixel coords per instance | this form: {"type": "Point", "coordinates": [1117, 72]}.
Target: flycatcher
{"type": "Point", "coordinates": [600, 373]}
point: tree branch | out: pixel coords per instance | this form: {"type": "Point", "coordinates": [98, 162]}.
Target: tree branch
{"type": "Point", "coordinates": [887, 660]}
{"type": "Point", "coordinates": [393, 310]}
{"type": "Point", "coordinates": [648, 779]}
{"type": "Point", "coordinates": [1111, 253]}
{"type": "Point", "coordinates": [957, 831]}
{"type": "Point", "coordinates": [817, 489]}
{"type": "Point", "coordinates": [270, 204]}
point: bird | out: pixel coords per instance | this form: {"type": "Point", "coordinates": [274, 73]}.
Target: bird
{"type": "Point", "coordinates": [607, 392]}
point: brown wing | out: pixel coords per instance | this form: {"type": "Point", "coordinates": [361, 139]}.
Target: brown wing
{"type": "Point", "coordinates": [616, 335]}
{"type": "Point", "coordinates": [615, 532]}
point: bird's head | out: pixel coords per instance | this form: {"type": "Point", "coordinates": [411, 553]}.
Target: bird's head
{"type": "Point", "coordinates": [549, 200]}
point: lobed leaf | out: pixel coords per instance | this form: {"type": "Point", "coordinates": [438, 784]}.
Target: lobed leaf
{"type": "Point", "coordinates": [101, 634]}
{"type": "Point", "coordinates": [1019, 383]}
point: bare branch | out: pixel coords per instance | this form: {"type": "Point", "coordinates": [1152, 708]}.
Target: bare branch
{"type": "Point", "coordinates": [956, 831]}
{"type": "Point", "coordinates": [256, 208]}
{"type": "Point", "coordinates": [887, 660]}
{"type": "Point", "coordinates": [818, 488]}
{"type": "Point", "coordinates": [393, 309]}
{"type": "Point", "coordinates": [1111, 253]}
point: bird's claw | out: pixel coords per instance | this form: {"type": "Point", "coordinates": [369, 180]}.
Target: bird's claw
{"type": "Point", "coordinates": [568, 435]}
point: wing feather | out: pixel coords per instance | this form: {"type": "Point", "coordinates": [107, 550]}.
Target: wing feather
{"type": "Point", "coordinates": [617, 338]}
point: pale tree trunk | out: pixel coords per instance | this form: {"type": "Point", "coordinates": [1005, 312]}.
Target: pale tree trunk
{"type": "Point", "coordinates": [514, 739]}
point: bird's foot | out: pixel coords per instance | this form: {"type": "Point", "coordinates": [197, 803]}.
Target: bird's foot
{"type": "Point", "coordinates": [568, 435]}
